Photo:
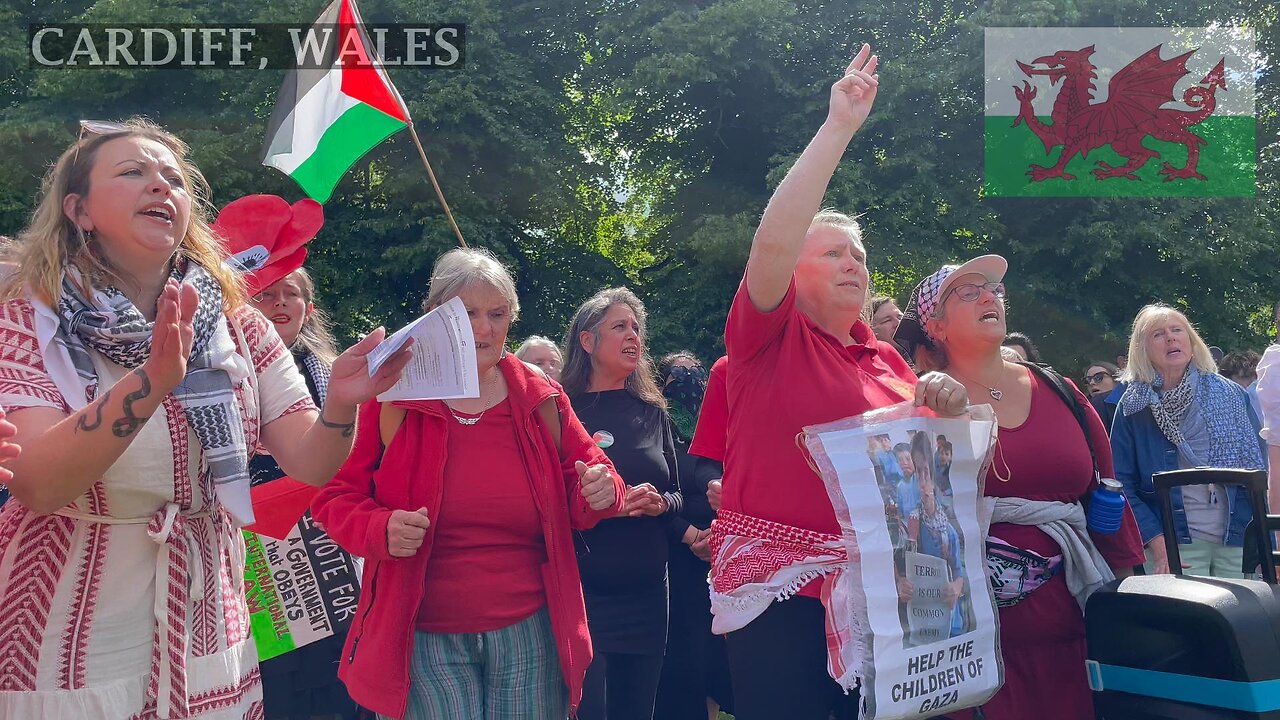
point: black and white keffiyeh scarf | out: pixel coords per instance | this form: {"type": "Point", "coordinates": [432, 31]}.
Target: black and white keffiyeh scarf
{"type": "Point", "coordinates": [1168, 406]}
{"type": "Point", "coordinates": [318, 371]}
{"type": "Point", "coordinates": [108, 322]}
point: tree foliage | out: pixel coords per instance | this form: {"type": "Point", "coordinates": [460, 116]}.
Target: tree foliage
{"type": "Point", "coordinates": [593, 144]}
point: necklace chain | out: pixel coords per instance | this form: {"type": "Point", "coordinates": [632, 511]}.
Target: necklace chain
{"type": "Point", "coordinates": [995, 393]}
{"type": "Point", "coordinates": [469, 421]}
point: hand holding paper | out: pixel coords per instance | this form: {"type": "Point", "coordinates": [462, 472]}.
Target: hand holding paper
{"type": "Point", "coordinates": [354, 377]}
{"type": "Point", "coordinates": [443, 363]}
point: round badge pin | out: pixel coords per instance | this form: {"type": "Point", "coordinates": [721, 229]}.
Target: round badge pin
{"type": "Point", "coordinates": [603, 439]}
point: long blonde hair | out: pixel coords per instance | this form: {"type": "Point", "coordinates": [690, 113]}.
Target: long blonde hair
{"type": "Point", "coordinates": [316, 334]}
{"type": "Point", "coordinates": [51, 241]}
{"type": "Point", "coordinates": [1140, 368]}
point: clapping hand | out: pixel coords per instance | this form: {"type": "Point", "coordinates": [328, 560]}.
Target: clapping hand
{"type": "Point", "coordinates": [172, 335]}
{"type": "Point", "coordinates": [853, 94]}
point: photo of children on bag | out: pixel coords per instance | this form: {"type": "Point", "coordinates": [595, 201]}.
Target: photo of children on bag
{"type": "Point", "coordinates": [913, 477]}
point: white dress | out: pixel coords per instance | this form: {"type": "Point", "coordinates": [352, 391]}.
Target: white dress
{"type": "Point", "coordinates": [129, 603]}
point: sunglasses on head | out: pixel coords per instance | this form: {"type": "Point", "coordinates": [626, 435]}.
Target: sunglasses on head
{"type": "Point", "coordinates": [96, 127]}
{"type": "Point", "coordinates": [969, 292]}
{"type": "Point", "coordinates": [1096, 378]}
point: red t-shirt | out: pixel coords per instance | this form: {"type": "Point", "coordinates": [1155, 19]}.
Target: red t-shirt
{"type": "Point", "coordinates": [712, 433]}
{"type": "Point", "coordinates": [487, 551]}
{"type": "Point", "coordinates": [785, 372]}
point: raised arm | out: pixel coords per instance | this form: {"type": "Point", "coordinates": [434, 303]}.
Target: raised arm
{"type": "Point", "coordinates": [778, 240]}
{"type": "Point", "coordinates": [64, 455]}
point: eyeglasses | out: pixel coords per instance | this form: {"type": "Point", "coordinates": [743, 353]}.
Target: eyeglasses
{"type": "Point", "coordinates": [96, 127]}
{"type": "Point", "coordinates": [969, 292]}
{"type": "Point", "coordinates": [1096, 378]}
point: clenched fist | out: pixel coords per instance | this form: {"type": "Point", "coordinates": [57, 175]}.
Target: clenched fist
{"type": "Point", "coordinates": [405, 532]}
{"type": "Point", "coordinates": [715, 489]}
{"type": "Point", "coordinates": [597, 485]}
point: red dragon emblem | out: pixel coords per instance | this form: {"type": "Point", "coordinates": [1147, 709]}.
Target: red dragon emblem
{"type": "Point", "coordinates": [1131, 112]}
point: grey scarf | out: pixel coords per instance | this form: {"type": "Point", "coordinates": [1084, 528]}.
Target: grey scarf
{"type": "Point", "coordinates": [108, 322]}
{"type": "Point", "coordinates": [1085, 569]}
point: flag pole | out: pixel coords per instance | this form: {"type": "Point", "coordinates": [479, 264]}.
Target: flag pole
{"type": "Point", "coordinates": [439, 193]}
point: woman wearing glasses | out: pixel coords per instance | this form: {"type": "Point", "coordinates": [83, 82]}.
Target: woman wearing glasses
{"type": "Point", "coordinates": [1102, 381]}
{"type": "Point", "coordinates": [139, 381]}
{"type": "Point", "coordinates": [1040, 471]}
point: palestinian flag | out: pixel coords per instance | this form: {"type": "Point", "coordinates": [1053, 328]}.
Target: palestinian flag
{"type": "Point", "coordinates": [1121, 112]}
{"type": "Point", "coordinates": [334, 107]}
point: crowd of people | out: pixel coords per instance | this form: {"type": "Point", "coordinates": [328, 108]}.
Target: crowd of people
{"type": "Point", "coordinates": [595, 535]}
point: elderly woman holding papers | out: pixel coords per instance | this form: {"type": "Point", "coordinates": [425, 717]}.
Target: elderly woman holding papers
{"type": "Point", "coordinates": [465, 512]}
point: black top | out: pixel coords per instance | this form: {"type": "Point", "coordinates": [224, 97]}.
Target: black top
{"type": "Point", "coordinates": [623, 561]}
{"type": "Point", "coordinates": [1106, 411]}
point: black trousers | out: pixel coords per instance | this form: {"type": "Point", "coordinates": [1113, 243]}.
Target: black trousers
{"type": "Point", "coordinates": [779, 666]}
{"type": "Point", "coordinates": [696, 666]}
{"type": "Point", "coordinates": [620, 686]}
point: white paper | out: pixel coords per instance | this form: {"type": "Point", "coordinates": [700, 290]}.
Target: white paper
{"type": "Point", "coordinates": [444, 357]}
{"type": "Point", "coordinates": [928, 654]}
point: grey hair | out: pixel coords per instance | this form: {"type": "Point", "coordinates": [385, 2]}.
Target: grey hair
{"type": "Point", "coordinates": [534, 341]}
{"type": "Point", "coordinates": [576, 374]}
{"type": "Point", "coordinates": [832, 218]}
{"type": "Point", "coordinates": [461, 267]}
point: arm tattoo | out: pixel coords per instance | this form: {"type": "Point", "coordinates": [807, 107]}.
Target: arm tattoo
{"type": "Point", "coordinates": [348, 429]}
{"type": "Point", "coordinates": [84, 425]}
{"type": "Point", "coordinates": [129, 424]}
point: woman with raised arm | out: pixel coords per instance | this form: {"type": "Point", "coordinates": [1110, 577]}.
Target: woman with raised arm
{"type": "Point", "coordinates": [799, 354]}
{"type": "Point", "coordinates": [139, 381]}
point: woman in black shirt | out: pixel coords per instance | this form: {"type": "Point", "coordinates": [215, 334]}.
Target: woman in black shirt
{"type": "Point", "coordinates": [623, 561]}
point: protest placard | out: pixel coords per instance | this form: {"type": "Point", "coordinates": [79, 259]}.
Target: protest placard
{"type": "Point", "coordinates": [906, 488]}
{"type": "Point", "coordinates": [300, 589]}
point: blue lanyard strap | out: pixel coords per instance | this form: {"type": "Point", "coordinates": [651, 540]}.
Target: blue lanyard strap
{"type": "Point", "coordinates": [1260, 696]}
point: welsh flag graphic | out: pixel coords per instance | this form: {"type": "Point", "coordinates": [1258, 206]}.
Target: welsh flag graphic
{"type": "Point", "coordinates": [1120, 112]}
{"type": "Point", "coordinates": [335, 107]}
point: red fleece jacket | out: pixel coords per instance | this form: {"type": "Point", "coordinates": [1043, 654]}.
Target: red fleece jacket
{"type": "Point", "coordinates": [408, 474]}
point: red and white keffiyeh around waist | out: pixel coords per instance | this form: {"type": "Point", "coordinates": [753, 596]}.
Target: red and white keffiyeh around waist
{"type": "Point", "coordinates": [757, 562]}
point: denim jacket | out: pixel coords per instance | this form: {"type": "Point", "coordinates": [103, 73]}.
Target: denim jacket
{"type": "Point", "coordinates": [1139, 449]}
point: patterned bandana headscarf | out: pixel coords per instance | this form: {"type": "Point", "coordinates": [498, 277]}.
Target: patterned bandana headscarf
{"type": "Point", "coordinates": [108, 322]}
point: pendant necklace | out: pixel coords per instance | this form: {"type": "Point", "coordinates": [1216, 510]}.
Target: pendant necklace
{"type": "Point", "coordinates": [993, 392]}
{"type": "Point", "coordinates": [469, 421]}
